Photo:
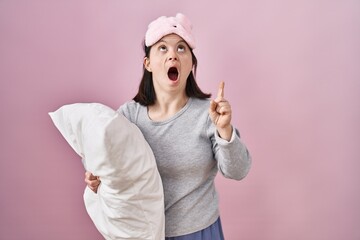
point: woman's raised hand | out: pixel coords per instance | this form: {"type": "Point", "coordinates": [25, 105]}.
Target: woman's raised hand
{"type": "Point", "coordinates": [220, 114]}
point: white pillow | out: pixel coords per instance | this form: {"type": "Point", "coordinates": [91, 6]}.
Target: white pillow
{"type": "Point", "coordinates": [129, 203]}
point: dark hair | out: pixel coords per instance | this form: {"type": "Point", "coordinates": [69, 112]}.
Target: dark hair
{"type": "Point", "coordinates": [146, 95]}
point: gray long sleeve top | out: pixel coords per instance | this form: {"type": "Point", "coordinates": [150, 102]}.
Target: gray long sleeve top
{"type": "Point", "coordinates": [189, 153]}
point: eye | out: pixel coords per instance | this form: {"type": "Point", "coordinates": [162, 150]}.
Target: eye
{"type": "Point", "coordinates": [181, 48]}
{"type": "Point", "coordinates": [162, 48]}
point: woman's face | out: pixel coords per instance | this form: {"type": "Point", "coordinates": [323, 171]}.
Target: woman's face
{"type": "Point", "coordinates": [170, 62]}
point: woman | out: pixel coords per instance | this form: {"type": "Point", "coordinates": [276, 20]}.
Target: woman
{"type": "Point", "coordinates": [191, 137]}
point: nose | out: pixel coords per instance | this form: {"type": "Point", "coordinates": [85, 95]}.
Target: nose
{"type": "Point", "coordinates": [172, 55]}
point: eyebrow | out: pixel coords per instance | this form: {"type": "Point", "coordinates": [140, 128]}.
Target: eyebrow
{"type": "Point", "coordinates": [180, 41]}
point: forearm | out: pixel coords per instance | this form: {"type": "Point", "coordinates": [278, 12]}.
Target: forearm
{"type": "Point", "coordinates": [234, 160]}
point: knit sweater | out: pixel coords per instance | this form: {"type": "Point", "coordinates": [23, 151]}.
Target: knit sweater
{"type": "Point", "coordinates": [189, 153]}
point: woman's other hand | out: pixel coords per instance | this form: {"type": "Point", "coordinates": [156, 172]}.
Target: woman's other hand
{"type": "Point", "coordinates": [92, 181]}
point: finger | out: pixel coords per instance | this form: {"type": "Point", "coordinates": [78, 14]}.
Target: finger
{"type": "Point", "coordinates": [213, 105]}
{"type": "Point", "coordinates": [95, 183]}
{"type": "Point", "coordinates": [90, 176]}
{"type": "Point", "coordinates": [220, 94]}
{"type": "Point", "coordinates": [223, 110]}
{"type": "Point", "coordinates": [92, 182]}
{"type": "Point", "coordinates": [221, 104]}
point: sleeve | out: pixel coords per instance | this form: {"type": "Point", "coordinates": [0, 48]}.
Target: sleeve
{"type": "Point", "coordinates": [126, 110]}
{"type": "Point", "coordinates": [123, 109]}
{"type": "Point", "coordinates": [233, 158]}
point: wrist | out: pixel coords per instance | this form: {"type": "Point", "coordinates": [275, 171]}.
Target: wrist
{"type": "Point", "coordinates": [225, 132]}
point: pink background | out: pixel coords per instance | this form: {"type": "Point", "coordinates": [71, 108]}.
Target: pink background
{"type": "Point", "coordinates": [292, 73]}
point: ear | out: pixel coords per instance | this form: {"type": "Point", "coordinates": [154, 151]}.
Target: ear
{"type": "Point", "coordinates": [147, 64]}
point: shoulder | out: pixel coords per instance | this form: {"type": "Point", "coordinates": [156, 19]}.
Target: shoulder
{"type": "Point", "coordinates": [199, 109]}
{"type": "Point", "coordinates": [200, 104]}
{"type": "Point", "coordinates": [128, 106]}
{"type": "Point", "coordinates": [130, 109]}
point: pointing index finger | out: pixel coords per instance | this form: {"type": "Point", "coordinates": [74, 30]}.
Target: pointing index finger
{"type": "Point", "coordinates": [221, 90]}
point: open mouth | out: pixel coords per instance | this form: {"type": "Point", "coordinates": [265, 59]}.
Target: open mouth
{"type": "Point", "coordinates": [173, 74]}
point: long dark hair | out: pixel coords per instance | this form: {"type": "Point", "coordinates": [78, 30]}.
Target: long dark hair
{"type": "Point", "coordinates": [146, 94]}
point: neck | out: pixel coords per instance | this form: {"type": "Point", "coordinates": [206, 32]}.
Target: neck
{"type": "Point", "coordinates": [166, 106]}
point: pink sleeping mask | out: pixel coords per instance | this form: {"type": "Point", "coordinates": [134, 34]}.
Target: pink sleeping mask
{"type": "Point", "coordinates": [180, 25]}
